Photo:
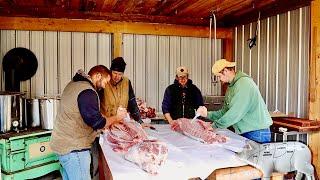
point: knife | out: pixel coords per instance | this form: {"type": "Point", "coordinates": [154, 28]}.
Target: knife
{"type": "Point", "coordinates": [195, 117]}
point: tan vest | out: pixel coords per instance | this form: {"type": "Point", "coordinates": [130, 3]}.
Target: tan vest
{"type": "Point", "coordinates": [114, 97]}
{"type": "Point", "coordinates": [70, 132]}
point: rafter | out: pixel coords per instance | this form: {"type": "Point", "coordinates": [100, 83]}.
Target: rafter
{"type": "Point", "coordinates": [45, 24]}
{"type": "Point", "coordinates": [186, 12]}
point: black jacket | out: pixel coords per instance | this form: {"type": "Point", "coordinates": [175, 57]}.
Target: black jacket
{"type": "Point", "coordinates": [181, 101]}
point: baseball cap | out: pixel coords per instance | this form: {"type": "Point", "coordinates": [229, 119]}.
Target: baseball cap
{"type": "Point", "coordinates": [221, 64]}
{"type": "Point", "coordinates": [182, 71]}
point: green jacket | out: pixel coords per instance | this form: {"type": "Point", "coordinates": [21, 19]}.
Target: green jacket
{"type": "Point", "coordinates": [244, 107]}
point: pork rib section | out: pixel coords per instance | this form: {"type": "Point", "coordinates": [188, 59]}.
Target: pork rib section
{"type": "Point", "coordinates": [122, 136]}
{"type": "Point", "coordinates": [149, 155]}
{"type": "Point", "coordinates": [130, 139]}
{"type": "Point", "coordinates": [198, 130]}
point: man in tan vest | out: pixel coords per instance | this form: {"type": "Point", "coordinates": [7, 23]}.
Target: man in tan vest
{"type": "Point", "coordinates": [119, 92]}
{"type": "Point", "coordinates": [78, 121]}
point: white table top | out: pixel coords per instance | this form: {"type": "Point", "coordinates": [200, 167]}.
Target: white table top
{"type": "Point", "coordinates": [187, 158]}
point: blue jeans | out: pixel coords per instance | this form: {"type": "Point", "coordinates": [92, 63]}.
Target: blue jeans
{"type": "Point", "coordinates": [76, 165]}
{"type": "Point", "coordinates": [260, 136]}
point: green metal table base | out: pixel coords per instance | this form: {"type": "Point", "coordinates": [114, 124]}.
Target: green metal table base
{"type": "Point", "coordinates": [34, 172]}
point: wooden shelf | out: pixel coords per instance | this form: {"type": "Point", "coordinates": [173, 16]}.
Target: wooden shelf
{"type": "Point", "coordinates": [296, 124]}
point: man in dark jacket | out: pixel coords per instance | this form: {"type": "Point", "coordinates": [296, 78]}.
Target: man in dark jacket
{"type": "Point", "coordinates": [78, 122]}
{"type": "Point", "coordinates": [181, 98]}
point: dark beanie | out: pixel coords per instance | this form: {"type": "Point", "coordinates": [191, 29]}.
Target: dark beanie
{"type": "Point", "coordinates": [118, 64]}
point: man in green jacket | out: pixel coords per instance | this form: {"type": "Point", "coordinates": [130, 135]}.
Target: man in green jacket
{"type": "Point", "coordinates": [244, 108]}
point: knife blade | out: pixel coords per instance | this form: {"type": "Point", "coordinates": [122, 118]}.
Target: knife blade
{"type": "Point", "coordinates": [195, 117]}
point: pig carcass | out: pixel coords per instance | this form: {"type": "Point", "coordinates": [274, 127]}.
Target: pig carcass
{"type": "Point", "coordinates": [199, 130]}
{"type": "Point", "coordinates": [130, 139]}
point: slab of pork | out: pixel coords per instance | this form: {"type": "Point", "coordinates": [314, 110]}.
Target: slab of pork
{"type": "Point", "coordinates": [130, 139]}
{"type": "Point", "coordinates": [199, 130]}
{"type": "Point", "coordinates": [149, 155]}
{"type": "Point", "coordinates": [122, 136]}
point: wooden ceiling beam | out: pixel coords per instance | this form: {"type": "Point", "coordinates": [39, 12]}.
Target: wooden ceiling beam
{"type": "Point", "coordinates": [131, 6]}
{"type": "Point", "coordinates": [234, 7]}
{"type": "Point", "coordinates": [123, 5]}
{"type": "Point", "coordinates": [162, 5]}
{"type": "Point", "coordinates": [90, 5]}
{"type": "Point", "coordinates": [149, 7]}
{"type": "Point", "coordinates": [99, 5]}
{"type": "Point", "coordinates": [206, 10]}
{"type": "Point", "coordinates": [259, 4]}
{"type": "Point", "coordinates": [194, 4]}
{"type": "Point", "coordinates": [193, 9]}
{"type": "Point", "coordinates": [184, 12]}
{"type": "Point", "coordinates": [226, 4]}
{"type": "Point", "coordinates": [221, 7]}
{"type": "Point", "coordinates": [172, 6]}
{"type": "Point", "coordinates": [243, 5]}
{"type": "Point", "coordinates": [61, 13]}
{"type": "Point", "coordinates": [108, 5]}
{"type": "Point", "coordinates": [36, 24]}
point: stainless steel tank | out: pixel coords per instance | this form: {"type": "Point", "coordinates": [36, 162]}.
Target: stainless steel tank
{"type": "Point", "coordinates": [48, 111]}
{"type": "Point", "coordinates": [11, 111]}
{"type": "Point", "coordinates": [33, 113]}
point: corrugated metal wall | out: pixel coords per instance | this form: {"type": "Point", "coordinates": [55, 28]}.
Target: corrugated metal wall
{"type": "Point", "coordinates": [279, 64]}
{"type": "Point", "coordinates": [59, 54]}
{"type": "Point", "coordinates": [152, 61]}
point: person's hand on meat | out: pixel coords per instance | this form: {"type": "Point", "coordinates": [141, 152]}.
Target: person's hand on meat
{"type": "Point", "coordinates": [202, 110]}
{"type": "Point", "coordinates": [111, 120]}
{"type": "Point", "coordinates": [121, 114]}
{"type": "Point", "coordinates": [175, 125]}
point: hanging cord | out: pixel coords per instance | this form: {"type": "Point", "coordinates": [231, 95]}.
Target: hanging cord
{"type": "Point", "coordinates": [258, 22]}
{"type": "Point", "coordinates": [215, 35]}
{"type": "Point", "coordinates": [213, 79]}
{"type": "Point", "coordinates": [213, 16]}
{"type": "Point", "coordinates": [210, 42]}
